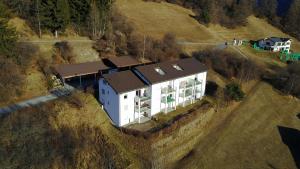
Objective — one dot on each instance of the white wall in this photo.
(157, 106)
(156, 97)
(127, 108)
(110, 101)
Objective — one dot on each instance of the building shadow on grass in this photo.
(291, 138)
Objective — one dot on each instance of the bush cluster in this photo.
(229, 65)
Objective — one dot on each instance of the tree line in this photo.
(284, 14)
(84, 16)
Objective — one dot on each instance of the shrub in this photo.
(287, 80)
(229, 65)
(11, 79)
(233, 91)
(65, 51)
(211, 88)
(25, 53)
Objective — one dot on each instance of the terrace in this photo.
(168, 90)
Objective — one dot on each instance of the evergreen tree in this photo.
(3, 11)
(8, 37)
(292, 19)
(79, 11)
(267, 8)
(62, 14)
(54, 14)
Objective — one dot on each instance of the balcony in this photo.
(186, 93)
(189, 84)
(167, 99)
(186, 84)
(143, 108)
(198, 91)
(144, 98)
(197, 82)
(168, 90)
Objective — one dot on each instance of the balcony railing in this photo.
(198, 91)
(189, 83)
(168, 90)
(143, 108)
(197, 82)
(187, 93)
(144, 98)
(186, 84)
(167, 100)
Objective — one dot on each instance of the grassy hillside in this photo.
(59, 134)
(155, 19)
(250, 137)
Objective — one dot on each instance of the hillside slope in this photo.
(156, 19)
(258, 134)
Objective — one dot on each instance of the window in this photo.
(126, 107)
(160, 71)
(105, 82)
(107, 91)
(125, 96)
(108, 103)
(138, 93)
(103, 91)
(177, 67)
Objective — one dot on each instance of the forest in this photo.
(88, 17)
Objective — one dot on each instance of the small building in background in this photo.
(275, 44)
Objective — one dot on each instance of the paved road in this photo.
(55, 94)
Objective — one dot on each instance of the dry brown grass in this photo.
(249, 138)
(59, 135)
(157, 19)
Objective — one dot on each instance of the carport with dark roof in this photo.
(68, 71)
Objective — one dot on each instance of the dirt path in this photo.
(38, 100)
(51, 41)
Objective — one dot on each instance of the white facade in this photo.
(133, 106)
(275, 46)
(167, 96)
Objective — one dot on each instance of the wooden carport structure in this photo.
(67, 71)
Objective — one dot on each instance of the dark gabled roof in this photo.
(73, 70)
(123, 61)
(124, 81)
(189, 66)
(276, 39)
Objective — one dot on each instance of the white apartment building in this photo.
(275, 44)
(138, 94)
